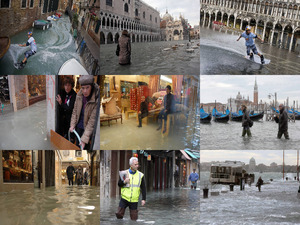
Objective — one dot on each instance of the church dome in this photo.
(167, 16)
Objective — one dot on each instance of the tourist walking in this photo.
(124, 49)
(246, 122)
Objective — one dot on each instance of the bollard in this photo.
(231, 187)
(205, 192)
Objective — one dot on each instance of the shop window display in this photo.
(17, 166)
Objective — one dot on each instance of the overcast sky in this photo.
(222, 87)
(261, 156)
(190, 9)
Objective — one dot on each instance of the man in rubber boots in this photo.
(282, 123)
(131, 188)
(33, 48)
(169, 104)
(193, 178)
(250, 44)
(245, 122)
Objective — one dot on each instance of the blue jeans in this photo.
(253, 48)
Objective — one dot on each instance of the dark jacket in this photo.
(142, 186)
(66, 109)
(144, 108)
(260, 182)
(246, 118)
(70, 172)
(169, 103)
(283, 120)
(125, 50)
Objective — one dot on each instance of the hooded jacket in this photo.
(89, 113)
(125, 50)
(245, 119)
(283, 120)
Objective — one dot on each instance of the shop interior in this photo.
(120, 105)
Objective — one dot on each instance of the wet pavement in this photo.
(25, 129)
(228, 136)
(171, 206)
(51, 206)
(54, 46)
(149, 58)
(127, 136)
(222, 54)
(277, 203)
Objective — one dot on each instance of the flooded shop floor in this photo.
(51, 206)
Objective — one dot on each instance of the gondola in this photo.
(220, 117)
(256, 116)
(237, 116)
(296, 113)
(204, 116)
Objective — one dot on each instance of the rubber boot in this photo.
(134, 214)
(262, 59)
(160, 124)
(120, 213)
(251, 56)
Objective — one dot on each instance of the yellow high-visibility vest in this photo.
(132, 193)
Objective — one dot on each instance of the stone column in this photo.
(234, 22)
(241, 25)
(255, 28)
(264, 32)
(291, 43)
(281, 38)
(209, 20)
(204, 20)
(227, 22)
(272, 35)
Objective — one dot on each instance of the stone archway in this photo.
(102, 38)
(110, 38)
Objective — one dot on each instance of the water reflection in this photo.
(26, 127)
(222, 54)
(184, 134)
(180, 206)
(150, 58)
(60, 205)
(55, 46)
(215, 136)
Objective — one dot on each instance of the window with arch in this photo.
(155, 19)
(109, 2)
(150, 17)
(144, 15)
(126, 9)
(136, 12)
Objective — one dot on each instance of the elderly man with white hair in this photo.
(131, 187)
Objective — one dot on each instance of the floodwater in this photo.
(277, 203)
(127, 136)
(228, 136)
(51, 206)
(222, 54)
(54, 46)
(171, 206)
(149, 58)
(25, 129)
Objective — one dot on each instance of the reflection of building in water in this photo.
(174, 29)
(140, 19)
(28, 169)
(278, 22)
(252, 165)
(162, 169)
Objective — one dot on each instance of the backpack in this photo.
(250, 123)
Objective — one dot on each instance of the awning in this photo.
(191, 154)
(185, 155)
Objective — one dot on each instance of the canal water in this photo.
(54, 46)
(184, 134)
(277, 203)
(228, 136)
(51, 206)
(171, 206)
(25, 129)
(222, 54)
(149, 58)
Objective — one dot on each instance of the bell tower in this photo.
(255, 98)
